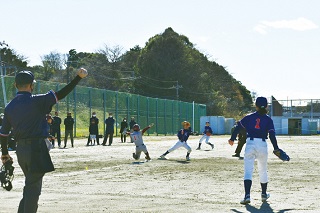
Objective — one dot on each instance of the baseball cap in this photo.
(185, 123)
(24, 77)
(261, 102)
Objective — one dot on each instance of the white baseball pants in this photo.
(204, 137)
(180, 144)
(256, 149)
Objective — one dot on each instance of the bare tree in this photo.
(113, 54)
(52, 64)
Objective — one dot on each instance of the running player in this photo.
(258, 125)
(183, 136)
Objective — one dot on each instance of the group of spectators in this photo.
(108, 137)
(54, 129)
(54, 123)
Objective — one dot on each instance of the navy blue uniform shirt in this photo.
(185, 135)
(26, 114)
(207, 129)
(257, 125)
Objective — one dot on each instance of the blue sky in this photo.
(271, 46)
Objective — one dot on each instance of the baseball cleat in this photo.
(188, 158)
(135, 156)
(162, 157)
(212, 146)
(198, 148)
(264, 197)
(245, 201)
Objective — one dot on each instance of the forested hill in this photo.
(168, 66)
(171, 60)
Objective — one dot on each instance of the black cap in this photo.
(261, 102)
(24, 77)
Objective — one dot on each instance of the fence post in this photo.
(172, 117)
(104, 111)
(57, 104)
(148, 113)
(75, 111)
(116, 107)
(157, 116)
(127, 105)
(90, 103)
(138, 107)
(165, 117)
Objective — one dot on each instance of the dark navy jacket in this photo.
(31, 108)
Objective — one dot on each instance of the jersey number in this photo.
(258, 123)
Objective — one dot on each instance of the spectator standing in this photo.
(109, 130)
(93, 128)
(68, 123)
(56, 130)
(123, 130)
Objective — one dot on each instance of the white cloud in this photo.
(260, 29)
(300, 24)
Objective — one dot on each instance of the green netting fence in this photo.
(167, 115)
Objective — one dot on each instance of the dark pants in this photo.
(68, 132)
(110, 135)
(33, 181)
(239, 146)
(123, 138)
(58, 133)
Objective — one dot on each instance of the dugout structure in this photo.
(167, 115)
(296, 116)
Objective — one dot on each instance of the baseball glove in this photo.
(208, 133)
(281, 155)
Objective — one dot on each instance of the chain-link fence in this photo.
(167, 115)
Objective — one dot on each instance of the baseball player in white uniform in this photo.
(136, 137)
(258, 126)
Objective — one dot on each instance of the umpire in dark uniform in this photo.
(55, 127)
(109, 130)
(94, 128)
(26, 114)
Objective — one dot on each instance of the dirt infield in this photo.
(107, 179)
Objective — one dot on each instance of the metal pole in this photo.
(193, 115)
(172, 118)
(148, 112)
(311, 110)
(104, 110)
(157, 116)
(116, 106)
(165, 117)
(75, 111)
(3, 86)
